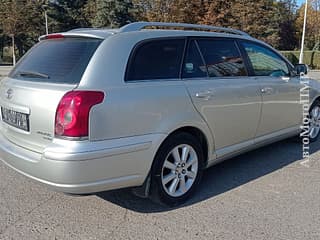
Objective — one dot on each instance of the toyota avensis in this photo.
(149, 105)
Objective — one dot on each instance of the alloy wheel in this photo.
(314, 122)
(179, 170)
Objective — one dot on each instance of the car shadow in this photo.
(222, 177)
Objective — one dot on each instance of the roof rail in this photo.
(137, 26)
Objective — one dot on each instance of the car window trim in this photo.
(134, 52)
(184, 53)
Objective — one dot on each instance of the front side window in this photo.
(264, 61)
(156, 59)
(222, 57)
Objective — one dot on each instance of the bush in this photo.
(311, 58)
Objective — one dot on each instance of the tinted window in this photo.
(194, 65)
(222, 57)
(158, 59)
(57, 61)
(264, 61)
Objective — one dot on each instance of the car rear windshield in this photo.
(56, 60)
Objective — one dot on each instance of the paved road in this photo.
(4, 70)
(315, 74)
(269, 193)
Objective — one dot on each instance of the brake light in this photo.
(54, 36)
(72, 115)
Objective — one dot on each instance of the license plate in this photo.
(15, 119)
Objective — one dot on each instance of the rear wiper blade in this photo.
(32, 74)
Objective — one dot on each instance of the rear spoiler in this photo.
(68, 35)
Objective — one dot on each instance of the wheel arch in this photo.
(317, 98)
(144, 190)
(198, 134)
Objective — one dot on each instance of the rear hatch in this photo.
(30, 95)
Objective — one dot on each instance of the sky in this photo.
(300, 2)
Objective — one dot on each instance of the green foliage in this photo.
(287, 28)
(311, 58)
(21, 20)
(294, 59)
(312, 37)
(113, 13)
(277, 22)
(259, 18)
(171, 10)
(66, 15)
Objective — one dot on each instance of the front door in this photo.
(281, 107)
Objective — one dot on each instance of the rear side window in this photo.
(156, 59)
(57, 60)
(222, 57)
(194, 66)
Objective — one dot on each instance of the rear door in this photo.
(230, 101)
(280, 92)
(30, 95)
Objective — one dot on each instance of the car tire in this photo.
(314, 117)
(177, 169)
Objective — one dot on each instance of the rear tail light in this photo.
(72, 115)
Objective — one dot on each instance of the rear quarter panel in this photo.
(135, 108)
(143, 108)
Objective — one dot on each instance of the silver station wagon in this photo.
(149, 105)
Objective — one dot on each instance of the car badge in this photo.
(9, 93)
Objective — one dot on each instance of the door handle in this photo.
(267, 90)
(286, 79)
(206, 95)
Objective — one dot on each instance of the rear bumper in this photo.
(85, 167)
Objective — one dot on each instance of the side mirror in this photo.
(301, 68)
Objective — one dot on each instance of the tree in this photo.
(256, 17)
(259, 18)
(90, 10)
(182, 11)
(219, 13)
(315, 21)
(187, 11)
(287, 28)
(113, 13)
(11, 21)
(66, 15)
(313, 24)
(22, 28)
(141, 9)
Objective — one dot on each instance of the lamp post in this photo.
(303, 32)
(13, 52)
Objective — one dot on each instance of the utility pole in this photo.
(303, 32)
